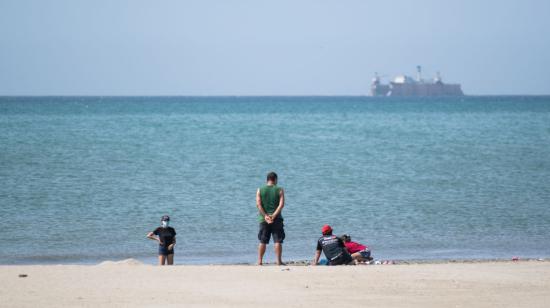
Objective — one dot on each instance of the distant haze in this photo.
(317, 47)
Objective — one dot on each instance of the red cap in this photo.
(326, 229)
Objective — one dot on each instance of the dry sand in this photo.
(131, 284)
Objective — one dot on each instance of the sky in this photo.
(257, 47)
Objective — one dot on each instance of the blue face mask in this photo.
(164, 223)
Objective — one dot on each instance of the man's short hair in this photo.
(272, 177)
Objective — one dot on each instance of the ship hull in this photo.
(425, 90)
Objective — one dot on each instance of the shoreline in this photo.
(152, 261)
(134, 284)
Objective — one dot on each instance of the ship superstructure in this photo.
(403, 85)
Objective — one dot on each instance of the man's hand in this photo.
(171, 246)
(268, 219)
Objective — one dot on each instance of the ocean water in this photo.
(83, 179)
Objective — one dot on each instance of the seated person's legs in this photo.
(345, 259)
(362, 256)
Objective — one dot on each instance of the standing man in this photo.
(270, 200)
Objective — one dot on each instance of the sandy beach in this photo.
(131, 284)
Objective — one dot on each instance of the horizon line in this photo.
(256, 95)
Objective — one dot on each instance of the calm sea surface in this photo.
(83, 179)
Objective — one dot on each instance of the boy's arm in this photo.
(171, 246)
(152, 236)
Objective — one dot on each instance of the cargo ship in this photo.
(407, 86)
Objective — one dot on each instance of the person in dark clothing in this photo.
(333, 247)
(166, 236)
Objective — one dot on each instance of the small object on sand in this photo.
(286, 269)
(22, 275)
(515, 258)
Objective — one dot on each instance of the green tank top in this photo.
(270, 200)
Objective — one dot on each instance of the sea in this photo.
(84, 179)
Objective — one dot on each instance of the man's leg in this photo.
(261, 252)
(264, 235)
(279, 253)
(278, 238)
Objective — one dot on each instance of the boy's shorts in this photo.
(365, 253)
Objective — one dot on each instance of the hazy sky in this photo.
(260, 47)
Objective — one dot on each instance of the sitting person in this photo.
(333, 247)
(360, 253)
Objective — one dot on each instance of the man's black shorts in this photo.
(276, 228)
(343, 259)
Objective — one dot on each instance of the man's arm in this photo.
(261, 208)
(317, 256)
(281, 204)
